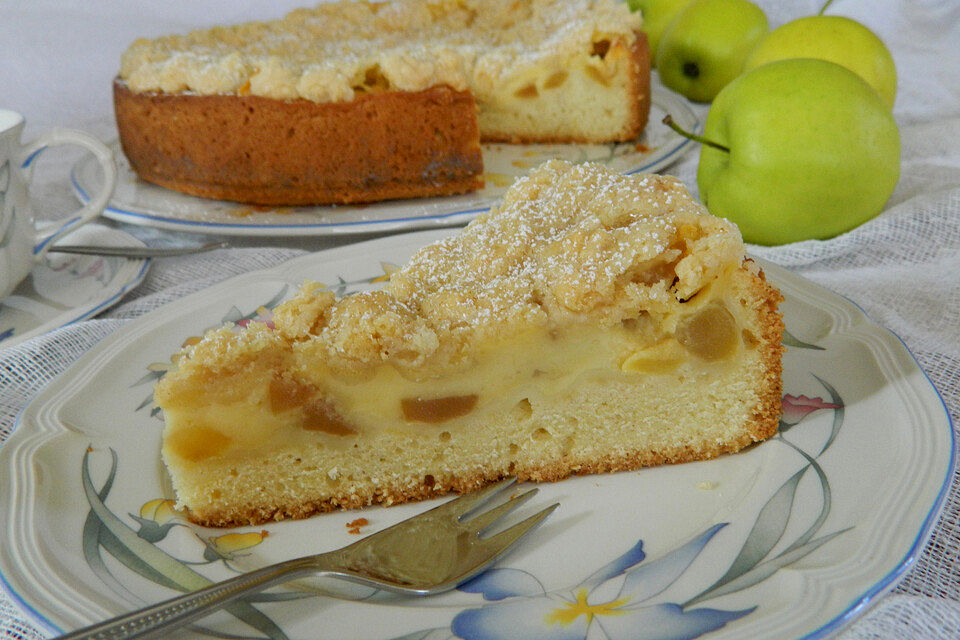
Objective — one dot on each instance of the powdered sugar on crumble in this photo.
(570, 243)
(328, 53)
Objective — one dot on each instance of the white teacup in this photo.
(21, 244)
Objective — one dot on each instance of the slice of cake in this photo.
(356, 101)
(594, 322)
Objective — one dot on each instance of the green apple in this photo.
(811, 151)
(706, 44)
(657, 16)
(833, 38)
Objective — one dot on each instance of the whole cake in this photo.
(594, 322)
(357, 102)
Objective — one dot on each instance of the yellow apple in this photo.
(841, 40)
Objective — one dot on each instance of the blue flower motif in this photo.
(497, 584)
(614, 602)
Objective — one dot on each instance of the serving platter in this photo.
(138, 202)
(792, 538)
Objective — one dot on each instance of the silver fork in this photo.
(423, 555)
(137, 252)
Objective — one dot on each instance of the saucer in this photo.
(63, 289)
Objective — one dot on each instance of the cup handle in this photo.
(95, 205)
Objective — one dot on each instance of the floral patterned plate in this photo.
(789, 539)
(63, 289)
(138, 202)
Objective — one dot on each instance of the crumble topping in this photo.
(331, 52)
(570, 243)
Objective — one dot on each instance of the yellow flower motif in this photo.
(192, 340)
(225, 547)
(162, 367)
(159, 510)
(156, 519)
(498, 179)
(388, 269)
(581, 607)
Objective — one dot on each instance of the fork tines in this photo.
(467, 509)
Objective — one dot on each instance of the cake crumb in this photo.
(708, 485)
(354, 525)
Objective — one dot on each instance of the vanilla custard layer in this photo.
(295, 401)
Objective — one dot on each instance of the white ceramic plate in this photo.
(138, 202)
(63, 288)
(789, 539)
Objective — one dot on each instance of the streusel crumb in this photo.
(570, 243)
(328, 53)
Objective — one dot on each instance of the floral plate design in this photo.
(137, 202)
(63, 289)
(788, 539)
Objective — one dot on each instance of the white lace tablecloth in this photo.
(903, 268)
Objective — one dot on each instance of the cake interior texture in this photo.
(593, 322)
(280, 112)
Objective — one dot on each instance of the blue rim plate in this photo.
(137, 202)
(793, 538)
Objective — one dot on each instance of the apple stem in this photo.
(824, 7)
(668, 120)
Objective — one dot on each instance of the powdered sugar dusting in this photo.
(325, 54)
(570, 243)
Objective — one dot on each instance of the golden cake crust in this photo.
(296, 152)
(766, 416)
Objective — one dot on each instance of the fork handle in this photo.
(181, 610)
(136, 252)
